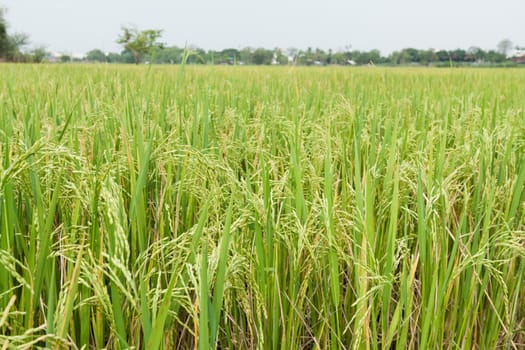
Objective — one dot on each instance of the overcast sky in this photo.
(76, 26)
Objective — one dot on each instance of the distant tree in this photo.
(246, 55)
(4, 39)
(458, 55)
(361, 57)
(375, 57)
(96, 55)
(411, 54)
(309, 56)
(405, 56)
(16, 42)
(126, 56)
(329, 57)
(496, 57)
(475, 53)
(226, 56)
(394, 57)
(10, 45)
(214, 57)
(113, 57)
(427, 56)
(174, 54)
(230, 56)
(320, 56)
(338, 58)
(504, 47)
(280, 57)
(262, 56)
(65, 58)
(167, 55)
(443, 55)
(195, 55)
(139, 43)
(38, 54)
(300, 58)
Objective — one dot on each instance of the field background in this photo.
(261, 208)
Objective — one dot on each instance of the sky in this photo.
(77, 26)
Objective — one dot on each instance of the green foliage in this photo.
(11, 44)
(226, 56)
(167, 55)
(292, 56)
(442, 56)
(262, 56)
(96, 55)
(4, 39)
(261, 207)
(38, 54)
(139, 43)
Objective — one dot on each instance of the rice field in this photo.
(261, 208)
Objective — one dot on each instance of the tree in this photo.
(226, 56)
(246, 55)
(375, 57)
(10, 45)
(38, 54)
(194, 55)
(504, 47)
(458, 55)
(114, 57)
(476, 54)
(262, 56)
(309, 56)
(230, 56)
(4, 39)
(410, 55)
(338, 58)
(495, 57)
(394, 58)
(127, 57)
(167, 55)
(139, 43)
(427, 56)
(443, 56)
(15, 43)
(361, 57)
(65, 58)
(96, 55)
(280, 58)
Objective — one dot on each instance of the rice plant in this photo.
(261, 208)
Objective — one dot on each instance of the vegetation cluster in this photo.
(309, 57)
(261, 207)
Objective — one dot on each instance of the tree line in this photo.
(144, 47)
(308, 57)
